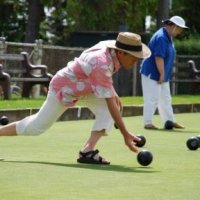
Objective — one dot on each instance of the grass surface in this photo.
(17, 103)
(45, 167)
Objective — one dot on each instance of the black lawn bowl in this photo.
(193, 143)
(4, 120)
(198, 137)
(169, 125)
(144, 157)
(142, 142)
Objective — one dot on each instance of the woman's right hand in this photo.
(161, 79)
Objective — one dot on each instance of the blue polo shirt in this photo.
(161, 45)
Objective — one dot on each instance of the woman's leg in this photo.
(165, 103)
(150, 89)
(165, 106)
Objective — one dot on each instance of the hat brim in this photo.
(168, 20)
(145, 53)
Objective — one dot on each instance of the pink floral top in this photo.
(90, 73)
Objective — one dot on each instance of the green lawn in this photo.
(44, 167)
(16, 103)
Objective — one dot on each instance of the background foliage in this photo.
(58, 19)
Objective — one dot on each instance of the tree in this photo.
(108, 15)
(163, 11)
(35, 16)
(56, 27)
(12, 19)
(27, 20)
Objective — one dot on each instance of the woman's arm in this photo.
(160, 67)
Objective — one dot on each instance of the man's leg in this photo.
(95, 136)
(37, 123)
(102, 125)
(8, 130)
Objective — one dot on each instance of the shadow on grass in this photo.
(173, 131)
(178, 131)
(117, 168)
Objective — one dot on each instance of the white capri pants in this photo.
(156, 95)
(52, 109)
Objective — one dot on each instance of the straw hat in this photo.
(131, 44)
(178, 21)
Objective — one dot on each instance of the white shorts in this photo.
(103, 118)
(52, 109)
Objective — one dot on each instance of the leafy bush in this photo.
(188, 46)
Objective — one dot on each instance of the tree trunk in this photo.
(35, 15)
(163, 11)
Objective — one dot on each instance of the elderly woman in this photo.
(156, 71)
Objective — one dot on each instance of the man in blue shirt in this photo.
(156, 71)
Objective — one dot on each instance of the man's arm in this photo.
(129, 138)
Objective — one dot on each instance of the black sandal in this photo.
(88, 158)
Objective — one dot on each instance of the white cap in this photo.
(179, 21)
